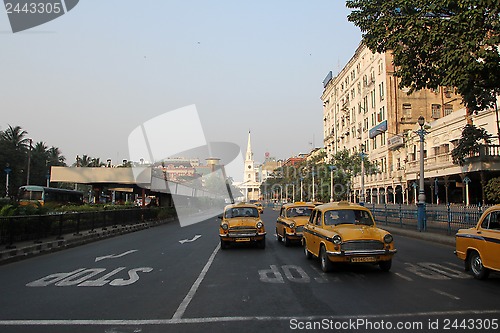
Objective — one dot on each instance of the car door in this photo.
(279, 222)
(316, 231)
(490, 248)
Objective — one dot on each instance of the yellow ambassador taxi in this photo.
(241, 223)
(479, 246)
(346, 232)
(291, 221)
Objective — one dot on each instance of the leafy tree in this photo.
(88, 162)
(13, 154)
(471, 141)
(492, 190)
(437, 43)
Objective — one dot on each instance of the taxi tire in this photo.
(224, 245)
(306, 251)
(286, 240)
(278, 237)
(326, 264)
(262, 243)
(385, 265)
(476, 266)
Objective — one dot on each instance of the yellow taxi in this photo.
(479, 246)
(291, 221)
(241, 223)
(346, 232)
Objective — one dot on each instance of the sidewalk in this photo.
(27, 249)
(423, 235)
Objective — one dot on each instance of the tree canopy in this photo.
(451, 43)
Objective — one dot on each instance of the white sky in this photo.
(84, 81)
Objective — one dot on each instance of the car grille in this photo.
(299, 229)
(362, 245)
(242, 231)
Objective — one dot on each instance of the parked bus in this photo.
(31, 194)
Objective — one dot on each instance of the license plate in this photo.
(363, 259)
(242, 239)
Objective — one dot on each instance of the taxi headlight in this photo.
(224, 226)
(388, 238)
(337, 239)
(292, 225)
(259, 225)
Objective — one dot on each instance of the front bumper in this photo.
(231, 237)
(361, 256)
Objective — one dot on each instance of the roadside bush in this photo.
(492, 190)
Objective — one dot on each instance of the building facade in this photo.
(364, 110)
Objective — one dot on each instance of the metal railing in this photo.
(440, 218)
(36, 227)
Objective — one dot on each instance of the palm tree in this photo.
(16, 136)
(13, 152)
(55, 158)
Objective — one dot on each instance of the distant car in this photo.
(479, 247)
(344, 232)
(241, 223)
(291, 221)
(260, 207)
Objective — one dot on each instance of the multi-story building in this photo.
(365, 110)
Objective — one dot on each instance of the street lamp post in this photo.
(467, 181)
(362, 194)
(313, 185)
(7, 172)
(421, 190)
(301, 192)
(29, 163)
(332, 169)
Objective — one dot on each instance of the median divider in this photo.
(24, 250)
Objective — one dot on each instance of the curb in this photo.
(447, 240)
(25, 252)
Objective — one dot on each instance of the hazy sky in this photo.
(84, 81)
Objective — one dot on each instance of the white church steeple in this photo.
(249, 174)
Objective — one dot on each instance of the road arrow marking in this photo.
(189, 240)
(113, 256)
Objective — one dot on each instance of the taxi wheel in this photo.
(306, 251)
(224, 245)
(286, 240)
(326, 264)
(476, 266)
(278, 237)
(385, 265)
(262, 243)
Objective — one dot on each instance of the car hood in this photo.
(299, 220)
(242, 221)
(358, 232)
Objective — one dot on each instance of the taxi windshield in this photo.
(242, 212)
(298, 211)
(346, 216)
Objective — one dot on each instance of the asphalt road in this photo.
(173, 279)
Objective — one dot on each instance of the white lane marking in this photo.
(455, 265)
(118, 322)
(189, 240)
(404, 277)
(440, 292)
(183, 306)
(114, 256)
